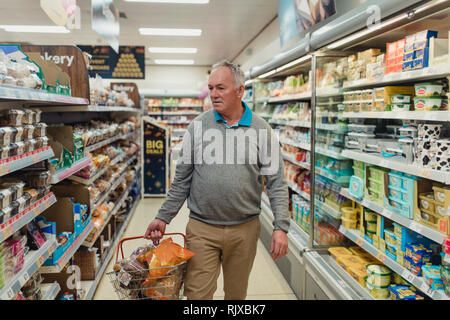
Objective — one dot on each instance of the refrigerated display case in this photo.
(378, 152)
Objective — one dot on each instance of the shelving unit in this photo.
(418, 282)
(33, 261)
(14, 224)
(89, 108)
(68, 172)
(27, 159)
(65, 258)
(435, 175)
(91, 286)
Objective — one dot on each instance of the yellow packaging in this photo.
(358, 272)
(390, 90)
(349, 224)
(349, 213)
(356, 250)
(337, 252)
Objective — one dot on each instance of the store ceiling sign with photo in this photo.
(105, 21)
(128, 64)
(296, 16)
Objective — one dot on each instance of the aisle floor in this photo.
(266, 281)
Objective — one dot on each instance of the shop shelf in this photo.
(14, 224)
(27, 159)
(336, 128)
(91, 286)
(33, 261)
(330, 153)
(291, 159)
(89, 181)
(65, 173)
(89, 108)
(432, 72)
(297, 190)
(110, 140)
(106, 193)
(175, 106)
(50, 290)
(117, 206)
(435, 175)
(38, 96)
(443, 116)
(341, 180)
(175, 113)
(408, 223)
(304, 146)
(292, 123)
(262, 99)
(326, 92)
(291, 97)
(58, 267)
(418, 282)
(348, 279)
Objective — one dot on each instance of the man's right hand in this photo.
(155, 230)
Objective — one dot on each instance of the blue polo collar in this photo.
(246, 119)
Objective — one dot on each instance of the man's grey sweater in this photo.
(223, 187)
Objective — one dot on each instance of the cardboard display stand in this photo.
(63, 63)
(130, 88)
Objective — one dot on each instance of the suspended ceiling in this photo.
(227, 26)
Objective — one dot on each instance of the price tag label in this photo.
(40, 261)
(425, 173)
(417, 227)
(24, 279)
(408, 276)
(8, 295)
(387, 213)
(380, 256)
(360, 242)
(8, 232)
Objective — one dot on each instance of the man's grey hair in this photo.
(236, 71)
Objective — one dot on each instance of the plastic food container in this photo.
(349, 223)
(40, 142)
(408, 132)
(4, 152)
(378, 275)
(428, 89)
(432, 276)
(37, 179)
(445, 272)
(398, 279)
(376, 173)
(6, 135)
(371, 226)
(31, 144)
(11, 117)
(429, 131)
(19, 148)
(349, 213)
(427, 201)
(404, 292)
(40, 130)
(378, 292)
(401, 106)
(395, 180)
(370, 216)
(367, 128)
(389, 237)
(400, 98)
(17, 135)
(28, 132)
(427, 103)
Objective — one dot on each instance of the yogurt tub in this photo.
(444, 103)
(371, 226)
(370, 216)
(428, 89)
(378, 292)
(401, 106)
(349, 213)
(427, 103)
(400, 98)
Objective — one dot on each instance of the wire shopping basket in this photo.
(137, 283)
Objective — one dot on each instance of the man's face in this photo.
(224, 96)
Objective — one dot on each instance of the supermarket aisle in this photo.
(266, 281)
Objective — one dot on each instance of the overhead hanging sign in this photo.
(297, 16)
(156, 156)
(105, 21)
(128, 64)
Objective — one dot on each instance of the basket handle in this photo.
(120, 248)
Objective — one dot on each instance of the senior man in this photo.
(223, 182)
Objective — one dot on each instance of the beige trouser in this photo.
(232, 246)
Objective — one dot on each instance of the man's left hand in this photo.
(278, 244)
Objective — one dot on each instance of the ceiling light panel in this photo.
(170, 32)
(174, 61)
(172, 50)
(172, 1)
(34, 29)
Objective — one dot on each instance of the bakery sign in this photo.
(129, 63)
